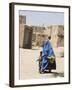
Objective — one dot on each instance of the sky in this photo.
(44, 18)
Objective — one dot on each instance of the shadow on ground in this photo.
(55, 74)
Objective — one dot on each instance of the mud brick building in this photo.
(32, 36)
(22, 22)
(55, 31)
(57, 35)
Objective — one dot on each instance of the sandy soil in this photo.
(29, 65)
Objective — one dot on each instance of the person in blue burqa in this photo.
(47, 51)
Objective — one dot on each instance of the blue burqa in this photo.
(47, 51)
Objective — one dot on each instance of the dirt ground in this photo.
(29, 65)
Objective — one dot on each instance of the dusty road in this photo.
(29, 66)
